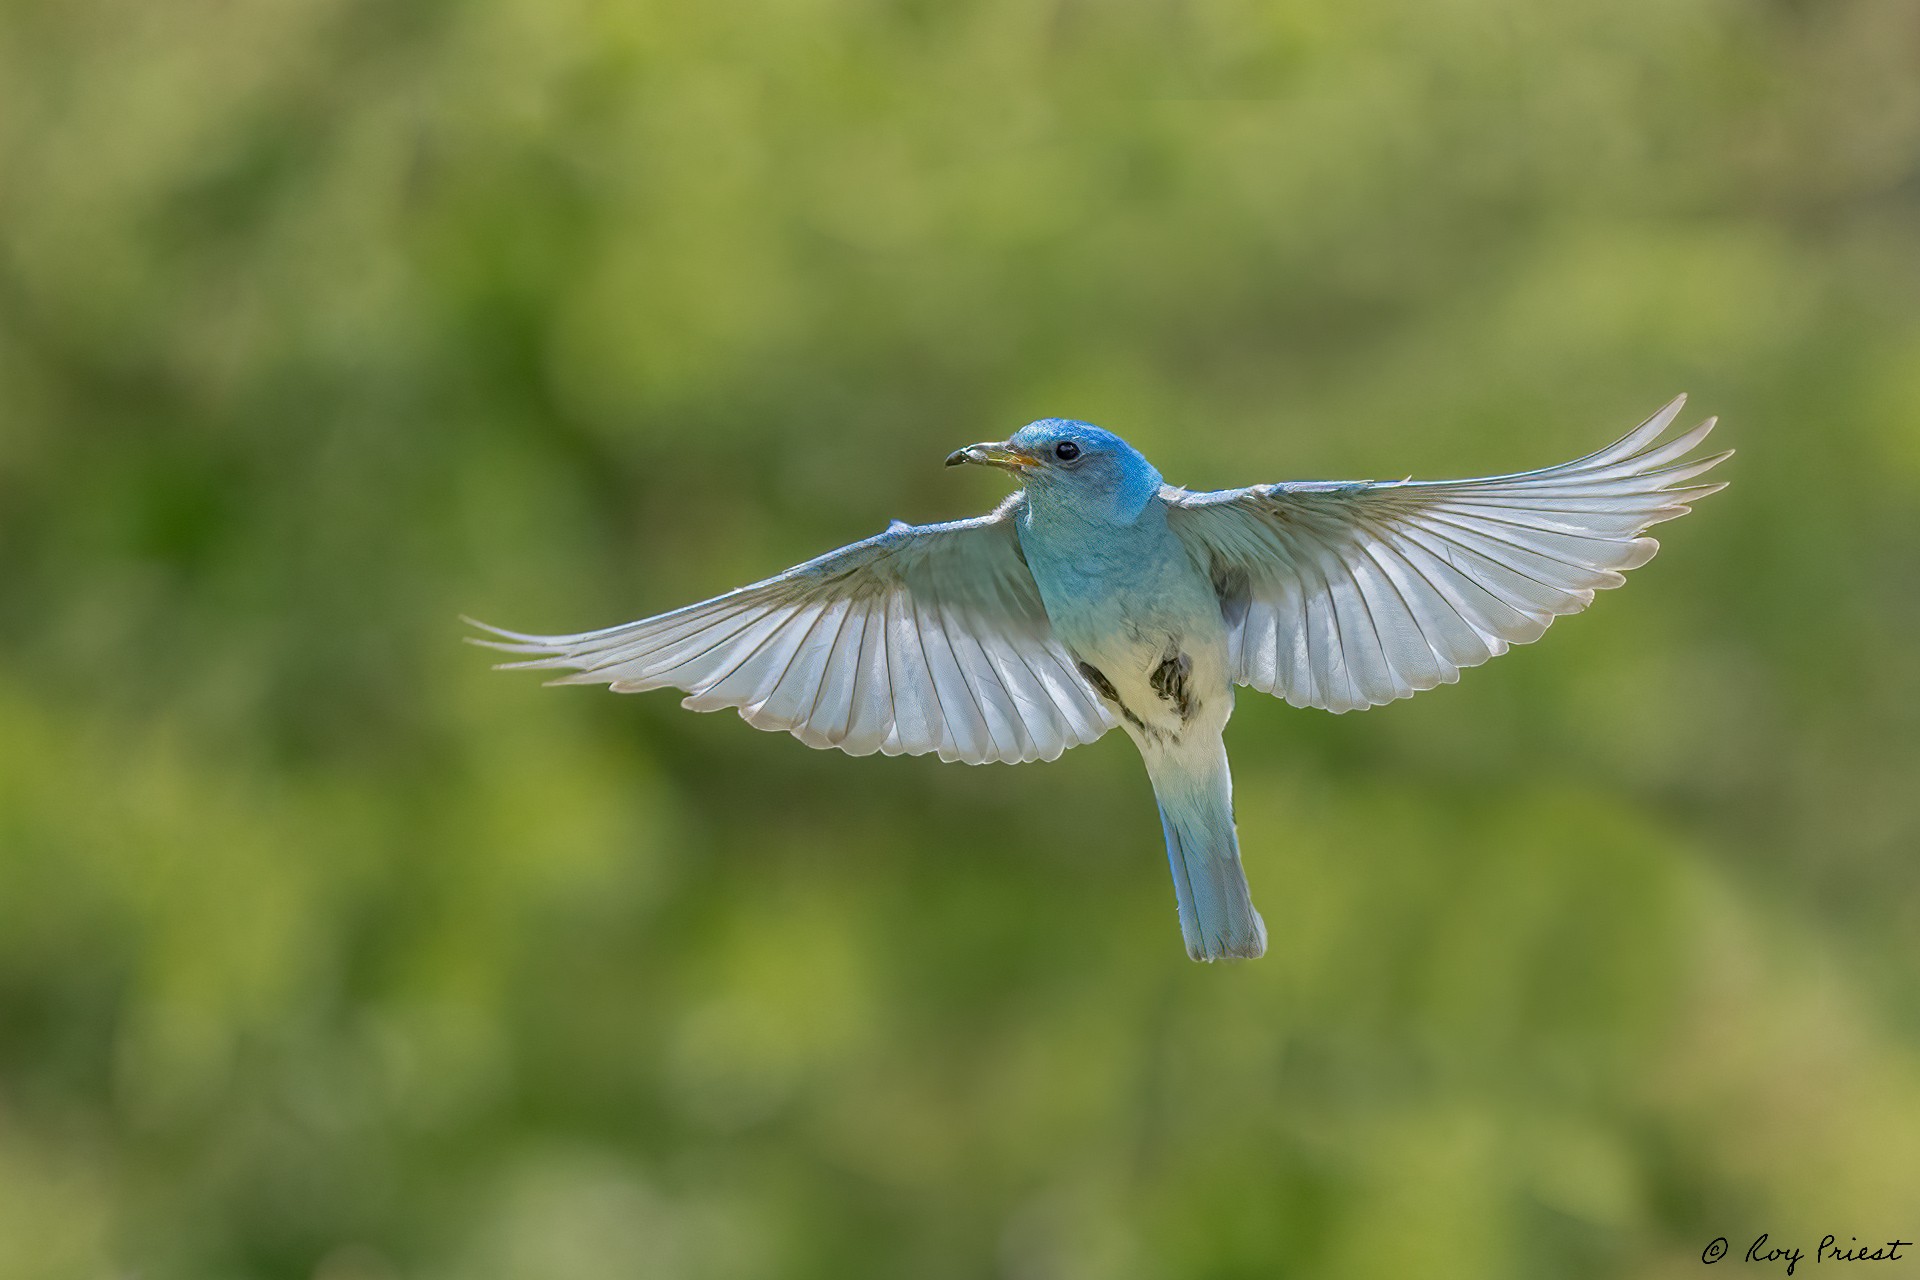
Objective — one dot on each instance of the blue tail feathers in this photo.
(1217, 917)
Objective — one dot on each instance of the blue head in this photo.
(1072, 466)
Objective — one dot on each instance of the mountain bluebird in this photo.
(1098, 595)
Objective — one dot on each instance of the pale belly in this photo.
(1155, 650)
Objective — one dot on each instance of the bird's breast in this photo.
(1145, 629)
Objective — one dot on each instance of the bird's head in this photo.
(1071, 465)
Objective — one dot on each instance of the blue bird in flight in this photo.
(1098, 595)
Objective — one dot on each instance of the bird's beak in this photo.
(994, 454)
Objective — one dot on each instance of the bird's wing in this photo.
(923, 638)
(1350, 594)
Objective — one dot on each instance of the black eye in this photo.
(1066, 451)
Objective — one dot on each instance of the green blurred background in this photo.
(325, 952)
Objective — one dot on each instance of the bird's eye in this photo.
(1066, 451)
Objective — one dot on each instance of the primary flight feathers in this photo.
(1348, 595)
(923, 638)
(1340, 595)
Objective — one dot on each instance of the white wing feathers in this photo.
(1348, 595)
(923, 638)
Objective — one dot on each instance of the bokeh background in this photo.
(326, 952)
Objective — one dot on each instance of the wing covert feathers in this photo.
(922, 639)
(1354, 593)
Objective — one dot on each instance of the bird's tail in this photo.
(1196, 810)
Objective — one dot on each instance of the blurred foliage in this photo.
(326, 953)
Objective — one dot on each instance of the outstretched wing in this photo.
(1347, 595)
(923, 638)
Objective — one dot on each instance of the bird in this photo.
(1099, 596)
